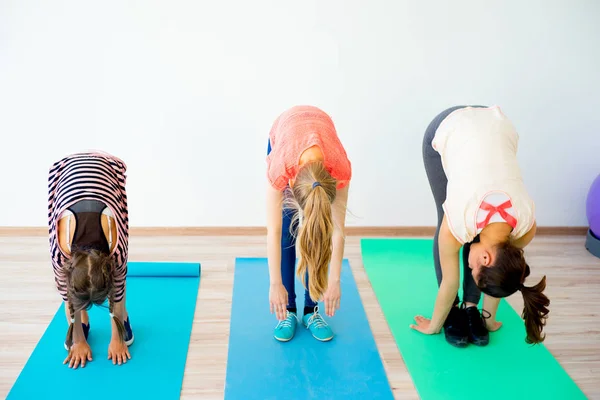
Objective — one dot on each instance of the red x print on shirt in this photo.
(501, 209)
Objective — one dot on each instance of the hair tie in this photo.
(315, 184)
(111, 315)
(521, 287)
(72, 320)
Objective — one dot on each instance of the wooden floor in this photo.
(28, 300)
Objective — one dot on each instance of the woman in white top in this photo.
(470, 156)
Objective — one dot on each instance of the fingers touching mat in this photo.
(259, 367)
(161, 299)
(402, 275)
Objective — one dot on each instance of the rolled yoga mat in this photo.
(402, 275)
(260, 367)
(161, 299)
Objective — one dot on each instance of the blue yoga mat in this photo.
(161, 299)
(259, 367)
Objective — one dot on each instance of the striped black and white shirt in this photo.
(89, 176)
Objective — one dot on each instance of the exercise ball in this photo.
(592, 207)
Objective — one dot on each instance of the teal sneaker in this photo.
(317, 326)
(285, 330)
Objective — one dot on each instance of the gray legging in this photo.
(438, 182)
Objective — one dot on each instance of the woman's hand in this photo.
(278, 298)
(79, 354)
(492, 326)
(331, 298)
(490, 305)
(118, 351)
(423, 325)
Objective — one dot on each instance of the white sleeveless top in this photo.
(478, 147)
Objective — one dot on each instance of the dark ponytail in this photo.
(535, 310)
(505, 277)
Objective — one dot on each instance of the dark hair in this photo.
(505, 277)
(89, 276)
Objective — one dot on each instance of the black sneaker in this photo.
(456, 328)
(128, 333)
(478, 333)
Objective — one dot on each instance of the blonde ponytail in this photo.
(314, 242)
(312, 196)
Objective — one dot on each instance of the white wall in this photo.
(186, 91)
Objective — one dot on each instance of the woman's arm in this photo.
(449, 249)
(274, 210)
(490, 304)
(121, 313)
(333, 294)
(339, 234)
(118, 351)
(278, 296)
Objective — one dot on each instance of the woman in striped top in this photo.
(88, 229)
(470, 156)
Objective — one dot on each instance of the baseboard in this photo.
(562, 230)
(380, 231)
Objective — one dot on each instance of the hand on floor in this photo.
(331, 298)
(423, 325)
(118, 352)
(79, 354)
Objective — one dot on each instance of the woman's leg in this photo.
(455, 325)
(471, 293)
(309, 304)
(288, 254)
(288, 259)
(438, 183)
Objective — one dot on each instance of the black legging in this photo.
(438, 182)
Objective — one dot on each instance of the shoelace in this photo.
(316, 319)
(483, 312)
(483, 316)
(286, 323)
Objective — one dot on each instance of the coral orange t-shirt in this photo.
(295, 131)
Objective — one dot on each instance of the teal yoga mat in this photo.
(403, 278)
(161, 299)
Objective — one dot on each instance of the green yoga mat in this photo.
(403, 278)
(161, 299)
